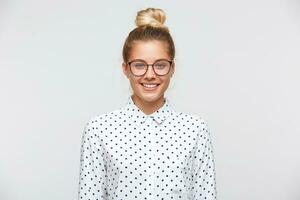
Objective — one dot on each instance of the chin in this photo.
(150, 97)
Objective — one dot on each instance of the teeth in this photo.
(149, 86)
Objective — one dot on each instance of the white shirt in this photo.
(127, 155)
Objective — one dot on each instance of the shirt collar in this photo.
(140, 117)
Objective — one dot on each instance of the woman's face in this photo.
(149, 51)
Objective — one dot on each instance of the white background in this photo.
(237, 67)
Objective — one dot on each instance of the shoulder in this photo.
(100, 119)
(194, 121)
(97, 124)
(190, 117)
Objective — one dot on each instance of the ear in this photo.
(125, 69)
(173, 69)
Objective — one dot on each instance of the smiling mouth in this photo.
(150, 86)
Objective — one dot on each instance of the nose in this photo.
(150, 73)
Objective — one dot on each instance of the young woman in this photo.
(146, 149)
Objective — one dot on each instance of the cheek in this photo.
(134, 82)
(165, 84)
(166, 81)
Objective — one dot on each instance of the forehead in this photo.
(149, 50)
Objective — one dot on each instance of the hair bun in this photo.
(154, 17)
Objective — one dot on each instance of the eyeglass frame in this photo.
(170, 61)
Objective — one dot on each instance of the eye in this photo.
(138, 64)
(161, 64)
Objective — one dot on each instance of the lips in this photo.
(150, 86)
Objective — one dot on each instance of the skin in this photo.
(150, 51)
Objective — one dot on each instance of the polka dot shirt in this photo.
(127, 155)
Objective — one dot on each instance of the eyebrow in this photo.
(153, 62)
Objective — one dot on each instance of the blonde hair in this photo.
(154, 17)
(150, 26)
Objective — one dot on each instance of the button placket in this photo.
(151, 133)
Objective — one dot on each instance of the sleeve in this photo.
(204, 176)
(92, 175)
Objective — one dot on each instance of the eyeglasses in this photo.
(139, 67)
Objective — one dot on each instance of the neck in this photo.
(148, 107)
